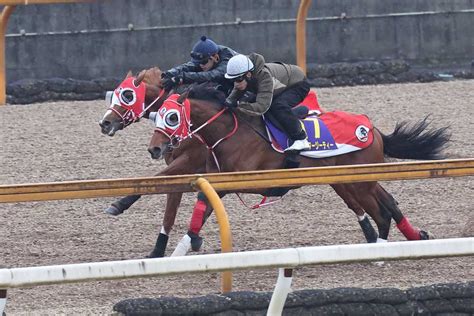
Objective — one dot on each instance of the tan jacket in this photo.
(268, 80)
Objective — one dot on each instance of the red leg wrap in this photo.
(198, 216)
(410, 232)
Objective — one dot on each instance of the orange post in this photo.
(7, 11)
(301, 34)
(224, 226)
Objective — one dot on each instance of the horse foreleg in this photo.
(118, 207)
(344, 191)
(192, 238)
(201, 212)
(172, 203)
(387, 202)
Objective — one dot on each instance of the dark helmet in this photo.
(203, 49)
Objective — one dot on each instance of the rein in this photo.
(202, 140)
(162, 92)
(188, 133)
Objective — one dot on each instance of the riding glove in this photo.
(231, 103)
(166, 74)
(170, 83)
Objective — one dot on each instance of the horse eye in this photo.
(172, 119)
(127, 96)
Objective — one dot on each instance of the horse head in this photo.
(173, 123)
(135, 97)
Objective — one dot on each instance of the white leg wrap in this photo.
(183, 247)
(3, 302)
(381, 240)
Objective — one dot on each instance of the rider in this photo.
(278, 88)
(208, 63)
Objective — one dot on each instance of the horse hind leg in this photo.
(388, 203)
(365, 195)
(344, 192)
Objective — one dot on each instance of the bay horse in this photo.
(190, 157)
(236, 147)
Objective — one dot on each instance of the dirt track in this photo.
(62, 141)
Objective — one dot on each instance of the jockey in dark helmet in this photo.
(278, 88)
(208, 64)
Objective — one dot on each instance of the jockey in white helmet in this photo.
(278, 88)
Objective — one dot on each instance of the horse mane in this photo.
(207, 92)
(152, 76)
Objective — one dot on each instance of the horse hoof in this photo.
(155, 254)
(112, 210)
(424, 235)
(196, 243)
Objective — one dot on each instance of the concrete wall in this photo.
(453, 299)
(91, 40)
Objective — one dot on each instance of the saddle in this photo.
(330, 133)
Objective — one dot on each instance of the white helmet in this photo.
(237, 66)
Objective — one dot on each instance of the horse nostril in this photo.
(155, 152)
(104, 123)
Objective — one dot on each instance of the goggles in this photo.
(199, 58)
(204, 61)
(239, 78)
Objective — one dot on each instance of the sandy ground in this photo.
(62, 141)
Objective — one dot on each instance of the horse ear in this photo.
(183, 97)
(129, 74)
(140, 77)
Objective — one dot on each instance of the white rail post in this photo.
(3, 301)
(282, 288)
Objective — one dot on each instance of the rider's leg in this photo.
(281, 110)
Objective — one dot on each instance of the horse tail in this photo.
(416, 141)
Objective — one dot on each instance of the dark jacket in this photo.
(268, 80)
(194, 74)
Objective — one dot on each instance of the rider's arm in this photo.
(214, 75)
(264, 96)
(235, 95)
(186, 67)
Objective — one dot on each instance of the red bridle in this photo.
(184, 131)
(135, 107)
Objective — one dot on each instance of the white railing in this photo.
(277, 258)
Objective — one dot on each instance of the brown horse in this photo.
(179, 160)
(190, 157)
(224, 133)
